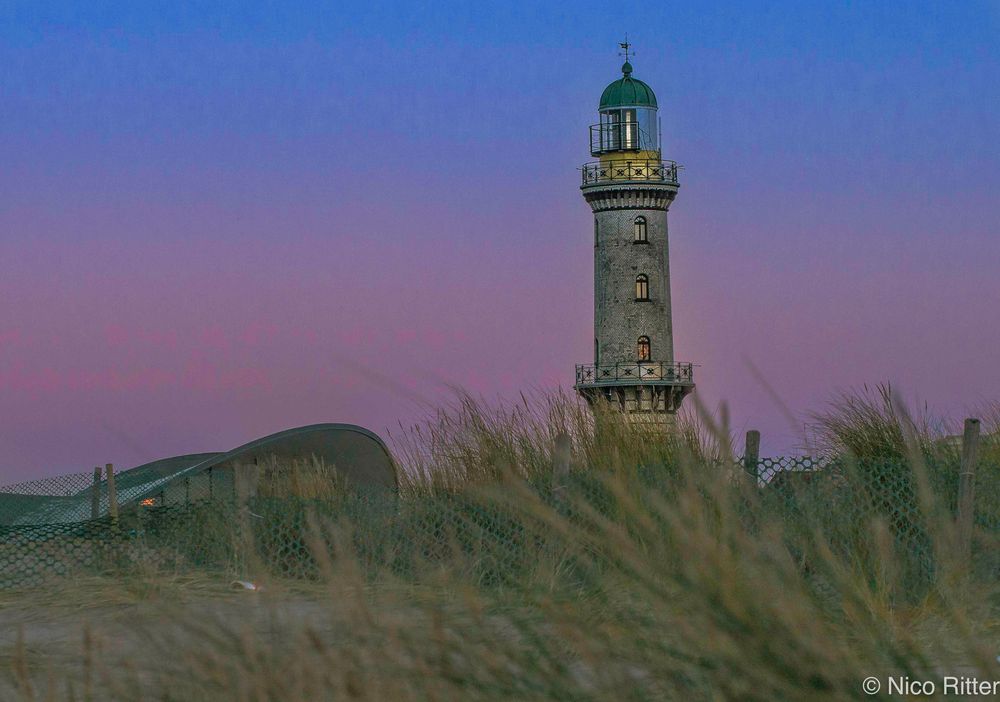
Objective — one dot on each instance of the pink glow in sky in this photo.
(213, 228)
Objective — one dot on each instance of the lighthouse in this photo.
(630, 189)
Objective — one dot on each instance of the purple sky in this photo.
(219, 222)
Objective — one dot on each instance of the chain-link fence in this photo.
(208, 523)
(844, 501)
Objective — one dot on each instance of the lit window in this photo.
(644, 352)
(640, 230)
(642, 287)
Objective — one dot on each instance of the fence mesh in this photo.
(204, 523)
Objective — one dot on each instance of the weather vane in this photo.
(626, 46)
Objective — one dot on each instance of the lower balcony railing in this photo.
(639, 372)
(638, 170)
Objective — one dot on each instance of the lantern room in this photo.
(628, 118)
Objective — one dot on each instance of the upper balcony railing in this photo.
(632, 373)
(630, 170)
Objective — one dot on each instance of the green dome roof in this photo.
(627, 92)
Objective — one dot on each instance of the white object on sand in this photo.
(245, 584)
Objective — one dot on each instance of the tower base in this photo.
(651, 406)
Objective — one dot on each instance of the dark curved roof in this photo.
(627, 92)
(357, 453)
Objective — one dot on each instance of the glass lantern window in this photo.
(647, 128)
(627, 129)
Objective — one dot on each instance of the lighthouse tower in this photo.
(630, 189)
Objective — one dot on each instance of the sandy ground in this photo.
(57, 638)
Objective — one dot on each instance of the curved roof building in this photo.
(350, 452)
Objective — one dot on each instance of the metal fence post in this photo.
(751, 454)
(95, 494)
(966, 488)
(112, 494)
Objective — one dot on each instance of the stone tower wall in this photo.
(619, 319)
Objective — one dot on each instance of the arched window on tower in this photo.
(640, 231)
(597, 231)
(642, 287)
(643, 352)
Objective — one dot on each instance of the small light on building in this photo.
(148, 502)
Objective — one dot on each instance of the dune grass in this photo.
(683, 581)
(870, 423)
(471, 441)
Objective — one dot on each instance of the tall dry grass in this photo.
(306, 479)
(470, 441)
(868, 423)
(697, 592)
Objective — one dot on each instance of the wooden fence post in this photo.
(95, 494)
(966, 488)
(112, 494)
(751, 454)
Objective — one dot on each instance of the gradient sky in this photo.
(220, 220)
